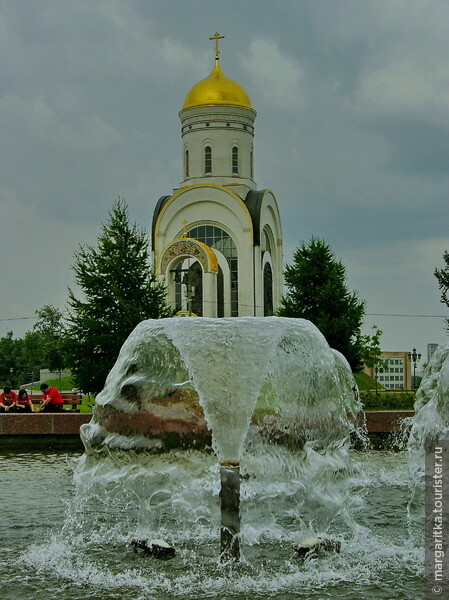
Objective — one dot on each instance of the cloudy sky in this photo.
(352, 135)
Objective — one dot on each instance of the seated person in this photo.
(24, 404)
(8, 400)
(52, 401)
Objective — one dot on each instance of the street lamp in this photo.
(414, 357)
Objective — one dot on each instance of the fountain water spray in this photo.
(430, 425)
(301, 389)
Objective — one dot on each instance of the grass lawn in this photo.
(365, 382)
(66, 384)
(61, 383)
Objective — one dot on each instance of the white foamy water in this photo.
(83, 550)
(299, 478)
(430, 426)
(282, 367)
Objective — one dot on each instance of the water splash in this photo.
(431, 423)
(281, 369)
(132, 494)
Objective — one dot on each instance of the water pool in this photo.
(57, 541)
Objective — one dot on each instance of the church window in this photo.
(251, 164)
(267, 290)
(187, 164)
(235, 159)
(207, 159)
(220, 293)
(266, 244)
(217, 238)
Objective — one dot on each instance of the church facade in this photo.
(217, 240)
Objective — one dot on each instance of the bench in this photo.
(69, 398)
(72, 399)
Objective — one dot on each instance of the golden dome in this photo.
(217, 90)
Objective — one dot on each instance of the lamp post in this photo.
(414, 357)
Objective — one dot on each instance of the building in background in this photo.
(217, 240)
(394, 372)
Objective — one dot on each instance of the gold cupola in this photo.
(217, 89)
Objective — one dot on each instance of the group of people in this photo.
(51, 401)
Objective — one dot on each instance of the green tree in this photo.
(317, 291)
(372, 353)
(9, 360)
(442, 276)
(31, 358)
(51, 331)
(120, 290)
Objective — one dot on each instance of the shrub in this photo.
(386, 400)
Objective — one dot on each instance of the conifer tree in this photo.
(120, 290)
(317, 291)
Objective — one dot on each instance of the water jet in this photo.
(276, 375)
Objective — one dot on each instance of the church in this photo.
(217, 240)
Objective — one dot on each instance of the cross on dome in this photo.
(217, 37)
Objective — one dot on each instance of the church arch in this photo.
(267, 241)
(192, 203)
(185, 247)
(190, 269)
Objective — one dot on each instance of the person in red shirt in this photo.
(52, 401)
(24, 404)
(8, 400)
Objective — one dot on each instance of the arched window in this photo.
(251, 164)
(267, 290)
(207, 160)
(235, 159)
(187, 164)
(266, 244)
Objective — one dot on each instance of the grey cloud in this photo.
(417, 148)
(349, 136)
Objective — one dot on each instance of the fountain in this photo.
(304, 390)
(431, 405)
(229, 439)
(430, 429)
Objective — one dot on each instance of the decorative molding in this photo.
(189, 247)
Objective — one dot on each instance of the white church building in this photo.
(217, 240)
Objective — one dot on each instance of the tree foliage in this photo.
(442, 276)
(372, 353)
(50, 328)
(120, 290)
(20, 359)
(317, 291)
(9, 358)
